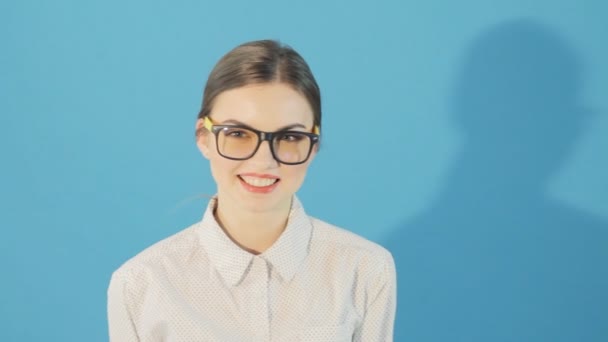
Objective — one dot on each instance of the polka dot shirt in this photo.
(317, 282)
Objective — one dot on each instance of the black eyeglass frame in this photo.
(264, 136)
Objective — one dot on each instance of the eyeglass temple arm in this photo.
(207, 123)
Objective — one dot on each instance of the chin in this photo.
(256, 202)
(265, 202)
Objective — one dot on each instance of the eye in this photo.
(236, 133)
(291, 137)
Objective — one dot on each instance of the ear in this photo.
(313, 153)
(202, 138)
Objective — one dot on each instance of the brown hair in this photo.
(262, 61)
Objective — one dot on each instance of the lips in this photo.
(259, 183)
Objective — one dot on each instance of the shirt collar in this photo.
(285, 255)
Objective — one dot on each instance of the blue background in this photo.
(469, 137)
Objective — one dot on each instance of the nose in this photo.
(263, 156)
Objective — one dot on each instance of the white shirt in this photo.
(316, 283)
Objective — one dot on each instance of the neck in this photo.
(254, 231)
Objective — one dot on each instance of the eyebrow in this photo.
(284, 128)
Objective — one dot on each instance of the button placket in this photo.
(261, 299)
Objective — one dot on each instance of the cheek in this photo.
(222, 169)
(295, 174)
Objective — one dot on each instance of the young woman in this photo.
(257, 267)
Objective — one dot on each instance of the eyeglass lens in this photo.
(241, 143)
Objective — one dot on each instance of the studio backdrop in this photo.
(470, 138)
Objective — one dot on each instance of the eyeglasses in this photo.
(240, 142)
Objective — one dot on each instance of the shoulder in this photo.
(347, 258)
(339, 241)
(167, 251)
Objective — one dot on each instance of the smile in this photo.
(259, 184)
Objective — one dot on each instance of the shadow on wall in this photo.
(495, 258)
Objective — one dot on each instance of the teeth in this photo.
(259, 182)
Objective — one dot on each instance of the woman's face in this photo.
(267, 107)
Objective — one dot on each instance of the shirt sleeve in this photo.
(379, 318)
(120, 322)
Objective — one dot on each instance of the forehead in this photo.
(265, 106)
